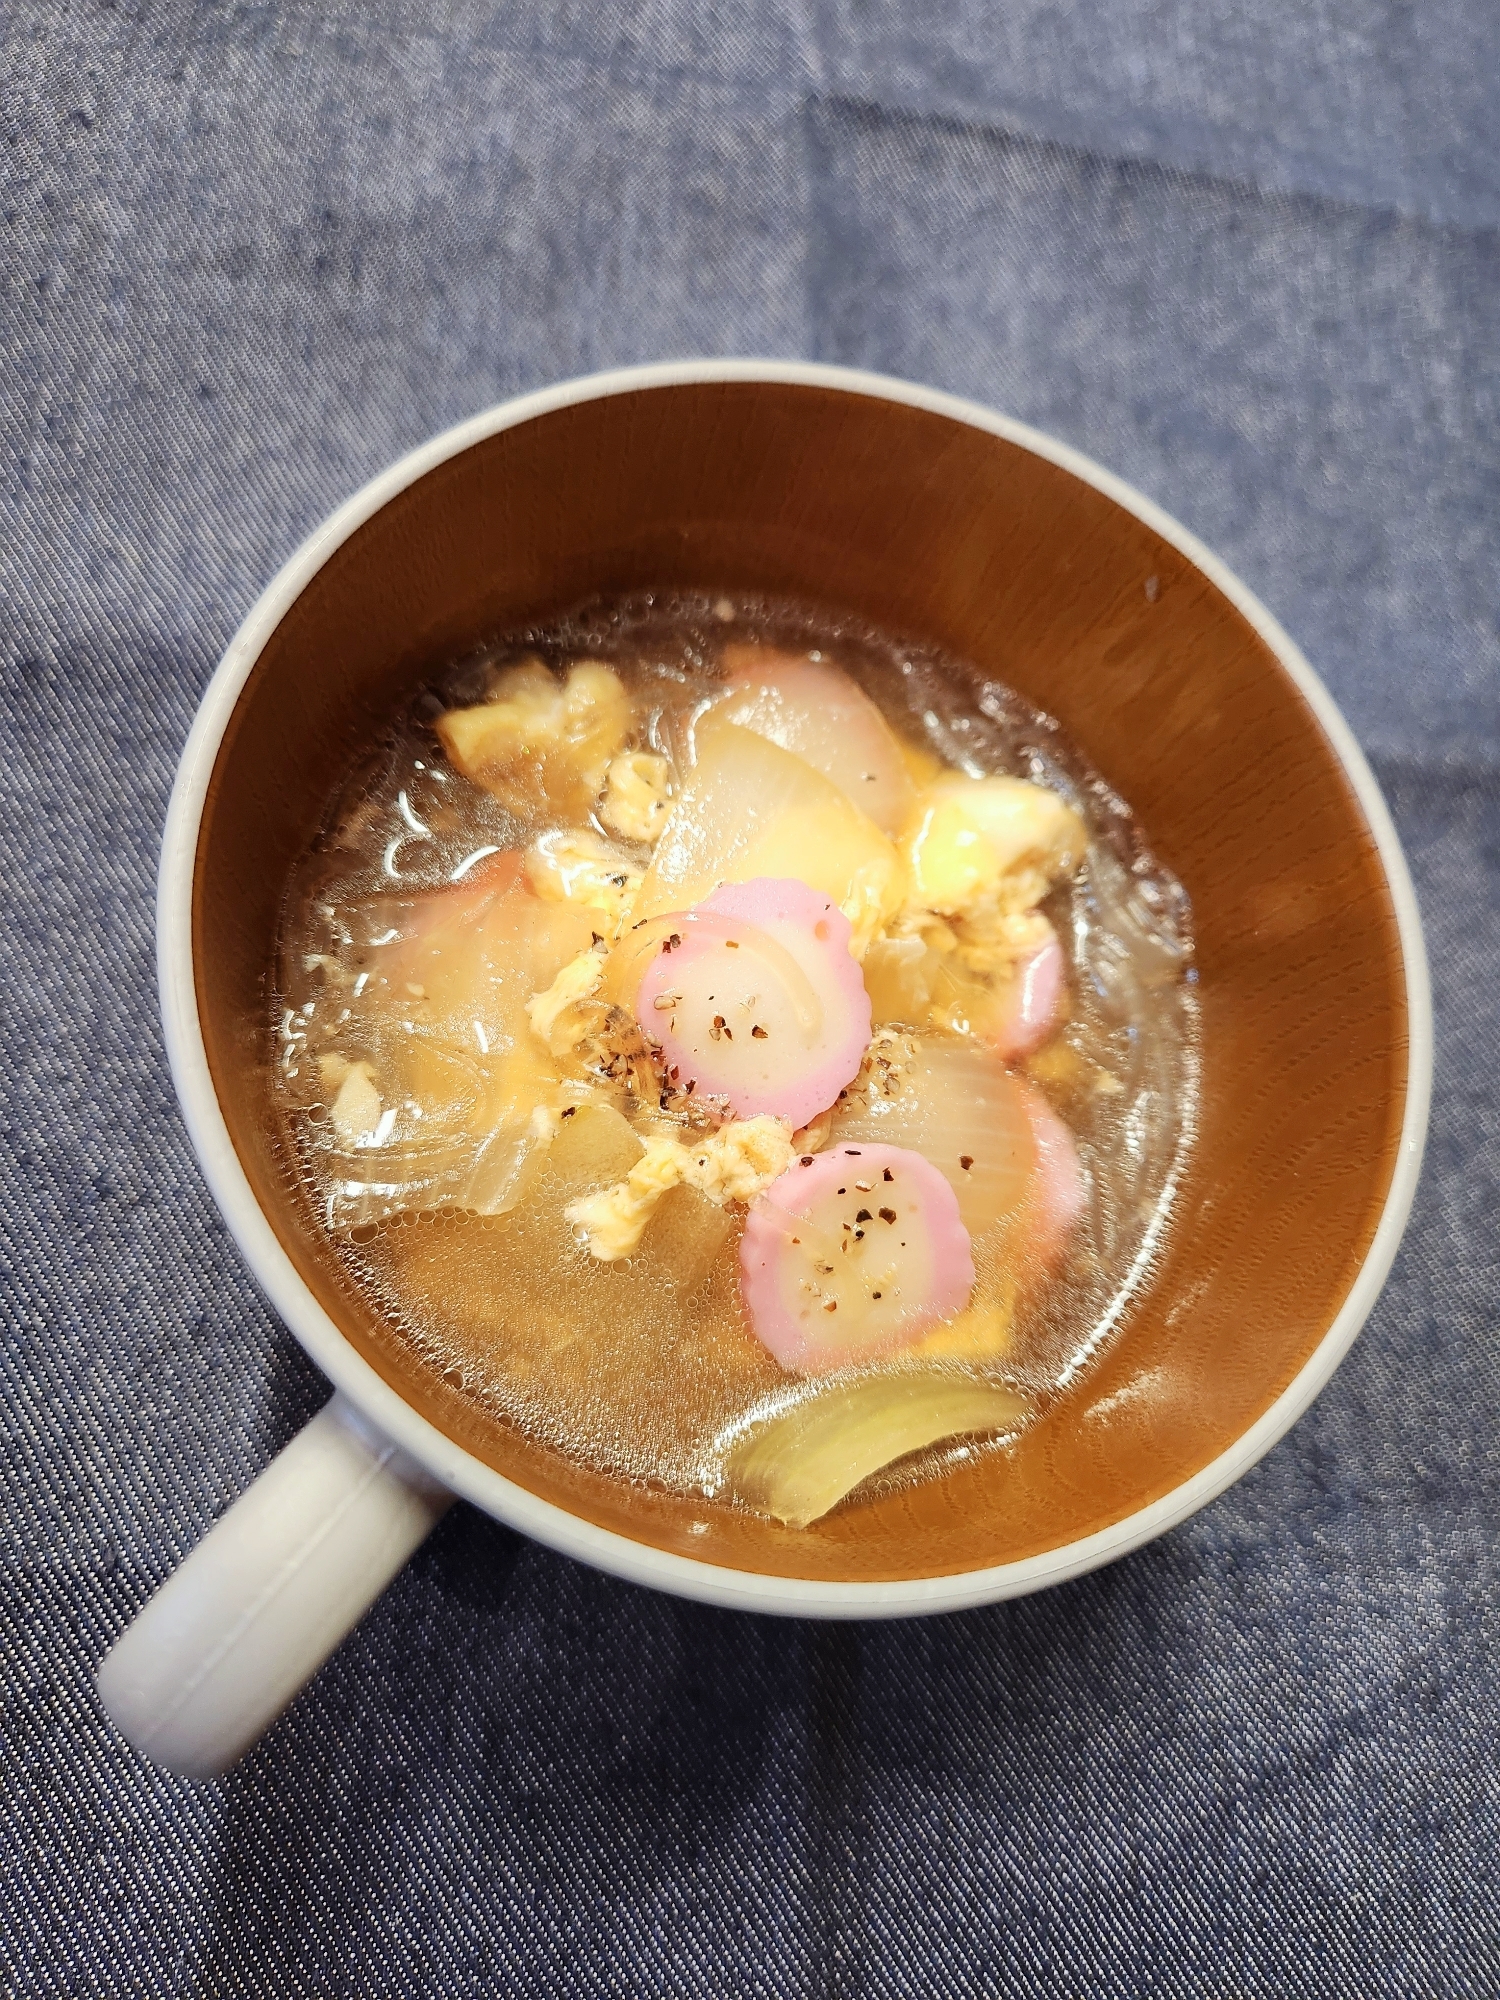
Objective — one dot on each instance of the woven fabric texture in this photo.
(1245, 252)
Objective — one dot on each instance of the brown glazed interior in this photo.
(957, 536)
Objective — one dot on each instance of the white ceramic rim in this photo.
(449, 1462)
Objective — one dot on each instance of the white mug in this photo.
(231, 1636)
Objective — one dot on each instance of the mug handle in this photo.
(255, 1610)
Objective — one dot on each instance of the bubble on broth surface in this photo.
(636, 1368)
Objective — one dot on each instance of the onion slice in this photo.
(955, 1103)
(748, 809)
(802, 1462)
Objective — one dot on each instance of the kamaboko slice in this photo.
(1030, 1002)
(798, 1464)
(753, 997)
(822, 715)
(1013, 1014)
(851, 1255)
(1057, 1188)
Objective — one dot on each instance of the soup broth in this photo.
(738, 1047)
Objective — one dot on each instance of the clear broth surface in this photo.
(626, 1366)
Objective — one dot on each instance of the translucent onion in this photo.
(803, 1461)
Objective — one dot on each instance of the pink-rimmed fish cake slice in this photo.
(852, 1255)
(756, 999)
(1058, 1189)
(1032, 1003)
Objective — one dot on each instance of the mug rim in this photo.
(466, 1475)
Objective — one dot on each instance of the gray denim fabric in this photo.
(1247, 255)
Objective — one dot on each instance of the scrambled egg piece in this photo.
(980, 853)
(901, 976)
(733, 1164)
(990, 940)
(575, 866)
(981, 1333)
(868, 904)
(556, 1014)
(536, 734)
(357, 1104)
(990, 842)
(1065, 1069)
(637, 788)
